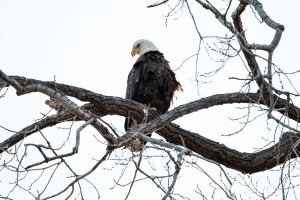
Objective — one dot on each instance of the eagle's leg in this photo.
(150, 107)
(136, 145)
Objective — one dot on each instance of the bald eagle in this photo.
(151, 80)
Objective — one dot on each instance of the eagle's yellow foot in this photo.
(154, 109)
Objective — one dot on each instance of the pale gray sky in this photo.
(88, 43)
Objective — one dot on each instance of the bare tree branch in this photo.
(108, 152)
(247, 162)
(269, 96)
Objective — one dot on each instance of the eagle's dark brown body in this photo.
(151, 82)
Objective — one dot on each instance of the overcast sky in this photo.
(88, 43)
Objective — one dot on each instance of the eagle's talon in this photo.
(154, 109)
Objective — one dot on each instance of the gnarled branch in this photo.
(244, 162)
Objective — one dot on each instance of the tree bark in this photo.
(101, 105)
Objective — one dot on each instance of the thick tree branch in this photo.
(119, 106)
(244, 162)
(65, 102)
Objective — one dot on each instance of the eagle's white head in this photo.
(142, 46)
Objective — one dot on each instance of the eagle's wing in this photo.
(152, 82)
(145, 79)
(131, 83)
(141, 83)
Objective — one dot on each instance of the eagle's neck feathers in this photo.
(148, 46)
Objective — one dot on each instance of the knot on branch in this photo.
(281, 27)
(75, 149)
(54, 104)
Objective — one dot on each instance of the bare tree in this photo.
(261, 92)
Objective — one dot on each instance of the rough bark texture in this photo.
(101, 105)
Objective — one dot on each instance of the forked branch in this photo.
(244, 162)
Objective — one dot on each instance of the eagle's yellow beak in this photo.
(135, 51)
